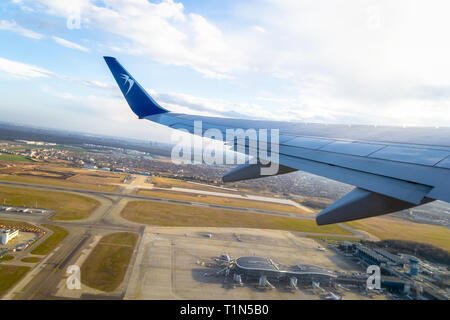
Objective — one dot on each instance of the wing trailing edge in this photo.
(360, 204)
(251, 171)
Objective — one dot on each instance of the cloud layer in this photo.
(68, 44)
(14, 27)
(22, 70)
(360, 61)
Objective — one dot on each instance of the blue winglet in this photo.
(138, 99)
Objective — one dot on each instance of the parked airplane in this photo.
(393, 168)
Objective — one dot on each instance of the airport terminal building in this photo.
(253, 268)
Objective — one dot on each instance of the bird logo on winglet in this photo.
(129, 80)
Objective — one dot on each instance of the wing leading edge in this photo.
(392, 168)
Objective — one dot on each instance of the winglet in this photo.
(138, 99)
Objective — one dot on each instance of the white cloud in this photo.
(108, 108)
(372, 62)
(161, 31)
(194, 103)
(68, 44)
(22, 70)
(259, 29)
(22, 5)
(183, 103)
(376, 62)
(26, 71)
(96, 84)
(14, 27)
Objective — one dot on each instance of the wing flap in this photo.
(251, 171)
(360, 204)
(399, 189)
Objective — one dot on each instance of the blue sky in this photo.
(358, 61)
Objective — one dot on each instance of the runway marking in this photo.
(117, 244)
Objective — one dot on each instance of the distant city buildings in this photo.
(90, 167)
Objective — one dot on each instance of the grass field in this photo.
(162, 214)
(48, 181)
(68, 206)
(11, 157)
(31, 259)
(52, 241)
(9, 275)
(105, 268)
(240, 203)
(7, 257)
(391, 228)
(96, 179)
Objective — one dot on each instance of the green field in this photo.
(11, 157)
(31, 259)
(174, 215)
(6, 257)
(9, 275)
(52, 241)
(105, 268)
(395, 229)
(68, 206)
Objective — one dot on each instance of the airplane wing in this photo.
(393, 168)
